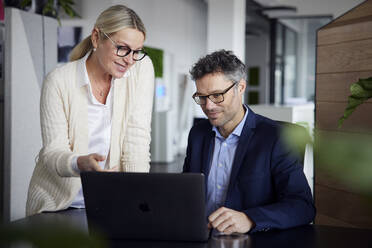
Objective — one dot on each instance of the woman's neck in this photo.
(96, 72)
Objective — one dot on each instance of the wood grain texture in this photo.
(344, 54)
(325, 179)
(347, 207)
(335, 87)
(350, 32)
(321, 219)
(328, 113)
(362, 10)
(353, 56)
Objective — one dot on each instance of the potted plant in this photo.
(51, 7)
(360, 91)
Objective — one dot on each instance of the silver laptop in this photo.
(151, 206)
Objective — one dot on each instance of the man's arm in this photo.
(294, 205)
(187, 161)
(229, 221)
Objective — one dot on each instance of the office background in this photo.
(278, 46)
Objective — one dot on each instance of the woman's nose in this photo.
(129, 58)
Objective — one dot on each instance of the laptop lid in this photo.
(155, 206)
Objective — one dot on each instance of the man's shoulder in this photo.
(266, 124)
(201, 126)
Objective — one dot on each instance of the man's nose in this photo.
(209, 104)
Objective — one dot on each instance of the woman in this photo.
(95, 112)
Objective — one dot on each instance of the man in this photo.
(253, 182)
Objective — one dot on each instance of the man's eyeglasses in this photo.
(215, 97)
(123, 51)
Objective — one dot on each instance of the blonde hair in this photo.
(111, 20)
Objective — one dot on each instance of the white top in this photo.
(99, 125)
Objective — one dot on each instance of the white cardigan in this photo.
(64, 127)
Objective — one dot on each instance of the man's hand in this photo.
(90, 162)
(229, 221)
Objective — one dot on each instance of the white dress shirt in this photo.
(99, 126)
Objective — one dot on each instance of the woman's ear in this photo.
(95, 37)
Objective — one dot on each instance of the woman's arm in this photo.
(136, 147)
(56, 153)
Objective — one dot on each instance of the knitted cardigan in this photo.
(64, 127)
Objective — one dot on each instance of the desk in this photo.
(308, 236)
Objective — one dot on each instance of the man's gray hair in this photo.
(221, 61)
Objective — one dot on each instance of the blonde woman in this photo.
(95, 112)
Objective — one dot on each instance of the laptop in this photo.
(150, 206)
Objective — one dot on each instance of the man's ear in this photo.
(242, 85)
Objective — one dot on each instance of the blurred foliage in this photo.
(347, 157)
(157, 56)
(52, 8)
(361, 91)
(48, 235)
(297, 136)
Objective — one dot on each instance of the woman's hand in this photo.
(90, 162)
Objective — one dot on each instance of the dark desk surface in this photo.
(305, 236)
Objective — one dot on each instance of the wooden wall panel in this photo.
(359, 12)
(335, 87)
(325, 179)
(354, 56)
(344, 206)
(321, 218)
(328, 113)
(352, 32)
(344, 54)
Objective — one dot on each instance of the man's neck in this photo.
(229, 127)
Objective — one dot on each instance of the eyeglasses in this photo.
(123, 51)
(215, 97)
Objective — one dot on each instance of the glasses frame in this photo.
(195, 96)
(129, 51)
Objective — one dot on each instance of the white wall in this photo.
(177, 26)
(226, 26)
(27, 61)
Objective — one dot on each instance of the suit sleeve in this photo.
(186, 164)
(294, 205)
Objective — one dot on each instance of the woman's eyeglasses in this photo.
(123, 51)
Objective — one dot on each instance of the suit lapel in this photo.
(208, 148)
(244, 142)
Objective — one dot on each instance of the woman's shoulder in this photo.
(64, 69)
(62, 73)
(143, 65)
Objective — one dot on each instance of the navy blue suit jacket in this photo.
(267, 182)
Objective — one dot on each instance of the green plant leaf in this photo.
(25, 3)
(46, 235)
(360, 91)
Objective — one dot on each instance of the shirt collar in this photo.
(82, 73)
(238, 129)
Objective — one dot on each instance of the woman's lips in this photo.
(121, 67)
